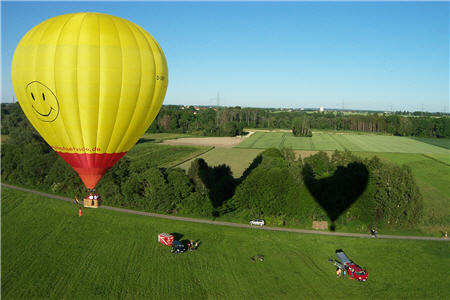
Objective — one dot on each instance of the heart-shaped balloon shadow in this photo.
(337, 193)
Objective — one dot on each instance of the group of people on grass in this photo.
(179, 247)
(191, 246)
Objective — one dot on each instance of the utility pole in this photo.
(217, 109)
(218, 104)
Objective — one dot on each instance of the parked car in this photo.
(178, 247)
(258, 222)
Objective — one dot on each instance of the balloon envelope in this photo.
(91, 84)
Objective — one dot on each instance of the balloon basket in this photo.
(93, 203)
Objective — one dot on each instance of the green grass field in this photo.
(342, 141)
(49, 252)
(444, 143)
(165, 155)
(237, 159)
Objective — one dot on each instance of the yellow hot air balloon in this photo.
(91, 84)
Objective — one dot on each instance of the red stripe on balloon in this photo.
(91, 166)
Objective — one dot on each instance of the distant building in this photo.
(321, 109)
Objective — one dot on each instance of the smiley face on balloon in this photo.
(43, 101)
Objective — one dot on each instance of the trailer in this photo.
(165, 239)
(342, 257)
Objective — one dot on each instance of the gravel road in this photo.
(306, 231)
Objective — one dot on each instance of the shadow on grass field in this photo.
(49, 252)
(238, 159)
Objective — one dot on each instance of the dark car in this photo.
(178, 247)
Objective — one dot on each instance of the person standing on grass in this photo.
(80, 212)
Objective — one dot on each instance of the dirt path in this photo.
(223, 142)
(129, 211)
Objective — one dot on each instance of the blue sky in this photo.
(367, 55)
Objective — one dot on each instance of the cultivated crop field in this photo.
(164, 155)
(49, 252)
(159, 137)
(444, 143)
(237, 159)
(341, 141)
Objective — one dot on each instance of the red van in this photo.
(354, 271)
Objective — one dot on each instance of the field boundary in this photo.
(190, 158)
(435, 159)
(256, 139)
(230, 224)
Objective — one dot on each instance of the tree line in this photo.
(230, 121)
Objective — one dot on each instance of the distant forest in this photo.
(230, 121)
